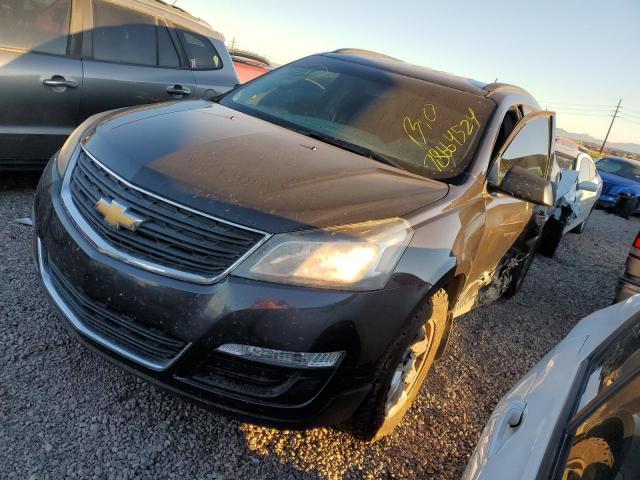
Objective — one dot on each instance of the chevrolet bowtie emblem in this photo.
(116, 214)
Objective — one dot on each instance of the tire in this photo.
(628, 207)
(384, 407)
(519, 274)
(580, 228)
(551, 236)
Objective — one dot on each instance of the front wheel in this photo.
(551, 237)
(403, 371)
(580, 228)
(518, 276)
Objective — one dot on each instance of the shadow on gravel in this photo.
(18, 180)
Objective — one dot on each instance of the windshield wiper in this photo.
(352, 147)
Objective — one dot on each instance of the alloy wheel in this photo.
(408, 370)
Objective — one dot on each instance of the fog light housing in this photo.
(283, 358)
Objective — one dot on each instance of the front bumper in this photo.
(612, 200)
(104, 300)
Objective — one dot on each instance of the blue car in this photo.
(621, 178)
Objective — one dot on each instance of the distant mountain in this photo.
(585, 137)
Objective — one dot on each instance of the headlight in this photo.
(352, 257)
(66, 152)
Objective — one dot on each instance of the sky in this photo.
(577, 58)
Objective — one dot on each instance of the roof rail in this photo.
(365, 53)
(173, 6)
(170, 6)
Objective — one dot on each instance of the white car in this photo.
(576, 414)
(577, 191)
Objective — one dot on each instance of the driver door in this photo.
(511, 222)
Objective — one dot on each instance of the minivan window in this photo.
(529, 149)
(202, 54)
(620, 357)
(416, 125)
(606, 445)
(122, 35)
(41, 26)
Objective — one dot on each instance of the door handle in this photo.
(58, 81)
(178, 90)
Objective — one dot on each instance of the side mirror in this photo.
(588, 186)
(525, 185)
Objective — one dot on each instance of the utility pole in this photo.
(609, 131)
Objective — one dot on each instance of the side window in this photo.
(529, 149)
(606, 445)
(167, 54)
(122, 35)
(565, 161)
(41, 26)
(509, 122)
(201, 52)
(619, 358)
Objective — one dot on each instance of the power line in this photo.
(610, 108)
(583, 114)
(577, 104)
(632, 115)
(630, 120)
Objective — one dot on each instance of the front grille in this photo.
(247, 379)
(122, 330)
(170, 235)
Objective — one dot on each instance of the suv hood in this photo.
(249, 171)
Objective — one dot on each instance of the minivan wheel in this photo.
(404, 370)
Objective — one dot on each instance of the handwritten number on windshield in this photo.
(441, 155)
(413, 128)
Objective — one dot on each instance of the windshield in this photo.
(619, 167)
(415, 125)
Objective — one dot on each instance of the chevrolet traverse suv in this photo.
(294, 252)
(62, 61)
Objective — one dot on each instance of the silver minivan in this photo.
(62, 61)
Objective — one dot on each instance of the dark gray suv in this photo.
(62, 61)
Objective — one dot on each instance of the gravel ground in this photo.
(64, 413)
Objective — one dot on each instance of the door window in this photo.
(167, 54)
(620, 357)
(606, 444)
(201, 52)
(529, 149)
(39, 26)
(565, 161)
(511, 118)
(122, 35)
